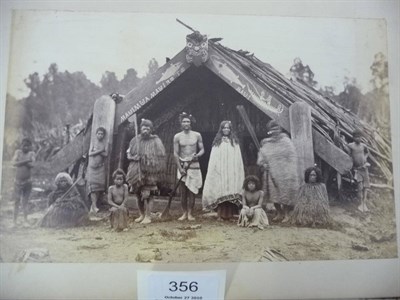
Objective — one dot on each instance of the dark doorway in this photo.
(210, 100)
(208, 138)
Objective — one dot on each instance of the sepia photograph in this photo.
(161, 138)
(181, 153)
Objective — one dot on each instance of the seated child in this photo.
(117, 197)
(312, 206)
(23, 162)
(252, 213)
(66, 207)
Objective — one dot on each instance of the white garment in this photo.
(225, 175)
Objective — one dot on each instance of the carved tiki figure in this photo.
(196, 48)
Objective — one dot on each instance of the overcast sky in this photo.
(99, 42)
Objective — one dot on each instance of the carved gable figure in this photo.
(196, 48)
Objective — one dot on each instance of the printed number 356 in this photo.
(183, 286)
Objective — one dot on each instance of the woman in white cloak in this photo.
(225, 174)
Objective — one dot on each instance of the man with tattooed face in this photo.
(147, 158)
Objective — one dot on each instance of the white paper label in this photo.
(203, 285)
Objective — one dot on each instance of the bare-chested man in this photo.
(359, 154)
(188, 147)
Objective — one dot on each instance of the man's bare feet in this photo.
(363, 207)
(277, 218)
(140, 219)
(93, 209)
(146, 220)
(191, 218)
(285, 219)
(183, 217)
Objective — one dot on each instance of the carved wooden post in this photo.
(301, 134)
(103, 116)
(67, 134)
(122, 147)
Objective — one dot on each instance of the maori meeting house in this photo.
(215, 83)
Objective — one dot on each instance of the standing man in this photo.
(278, 156)
(146, 154)
(188, 147)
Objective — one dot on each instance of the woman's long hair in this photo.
(232, 135)
(317, 172)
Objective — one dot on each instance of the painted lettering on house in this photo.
(170, 74)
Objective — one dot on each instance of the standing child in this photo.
(23, 162)
(359, 154)
(97, 169)
(312, 205)
(117, 197)
(252, 213)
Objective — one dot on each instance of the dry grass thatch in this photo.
(328, 117)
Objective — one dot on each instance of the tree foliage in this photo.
(153, 66)
(129, 82)
(303, 73)
(372, 107)
(57, 99)
(376, 108)
(351, 96)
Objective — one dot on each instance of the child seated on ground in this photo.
(311, 206)
(117, 197)
(252, 213)
(23, 162)
(66, 207)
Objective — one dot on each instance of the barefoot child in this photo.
(117, 196)
(312, 205)
(23, 162)
(359, 154)
(96, 169)
(252, 213)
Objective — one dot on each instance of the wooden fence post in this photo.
(103, 116)
(301, 134)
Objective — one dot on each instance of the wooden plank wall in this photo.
(301, 135)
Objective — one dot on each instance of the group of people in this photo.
(226, 188)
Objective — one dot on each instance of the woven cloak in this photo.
(312, 206)
(65, 210)
(151, 163)
(282, 183)
(225, 175)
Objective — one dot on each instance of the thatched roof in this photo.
(328, 116)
